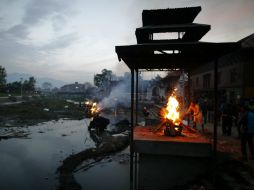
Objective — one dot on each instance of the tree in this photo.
(46, 86)
(14, 87)
(98, 80)
(29, 85)
(2, 78)
(102, 80)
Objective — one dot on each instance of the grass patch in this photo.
(39, 110)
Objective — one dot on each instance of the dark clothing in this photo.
(227, 118)
(204, 109)
(247, 139)
(146, 112)
(246, 124)
(226, 125)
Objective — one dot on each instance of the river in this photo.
(31, 163)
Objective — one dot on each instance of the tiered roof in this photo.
(171, 20)
(170, 16)
(184, 52)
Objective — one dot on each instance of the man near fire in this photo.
(196, 113)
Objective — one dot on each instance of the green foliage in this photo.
(33, 111)
(14, 87)
(2, 78)
(28, 86)
(102, 80)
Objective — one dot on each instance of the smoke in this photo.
(179, 90)
(119, 96)
(183, 79)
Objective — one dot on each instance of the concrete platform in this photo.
(189, 144)
(165, 162)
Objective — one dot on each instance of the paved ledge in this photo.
(189, 144)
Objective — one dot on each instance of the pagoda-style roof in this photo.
(183, 52)
(192, 32)
(170, 16)
(178, 55)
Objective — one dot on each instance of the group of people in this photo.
(243, 117)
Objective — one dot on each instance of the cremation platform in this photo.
(165, 162)
(188, 144)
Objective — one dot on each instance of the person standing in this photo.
(145, 112)
(204, 109)
(227, 118)
(246, 124)
(197, 115)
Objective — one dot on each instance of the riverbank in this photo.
(110, 144)
(36, 111)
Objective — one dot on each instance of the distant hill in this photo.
(12, 77)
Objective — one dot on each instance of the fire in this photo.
(94, 109)
(171, 111)
(91, 108)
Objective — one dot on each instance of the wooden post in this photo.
(189, 96)
(136, 123)
(132, 129)
(215, 108)
(136, 97)
(215, 117)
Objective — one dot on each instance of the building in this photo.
(180, 50)
(74, 88)
(235, 70)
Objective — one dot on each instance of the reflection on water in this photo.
(111, 173)
(31, 163)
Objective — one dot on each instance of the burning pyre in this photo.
(171, 117)
(91, 109)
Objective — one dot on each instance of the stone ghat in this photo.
(188, 144)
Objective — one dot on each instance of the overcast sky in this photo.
(72, 40)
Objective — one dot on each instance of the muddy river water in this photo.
(31, 163)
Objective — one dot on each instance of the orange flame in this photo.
(172, 112)
(92, 107)
(95, 108)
